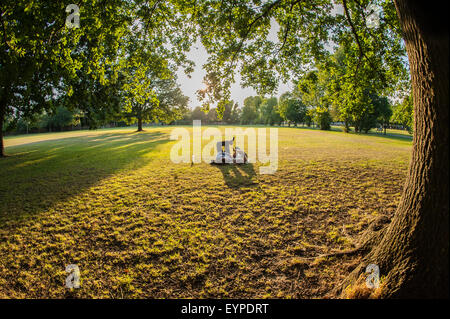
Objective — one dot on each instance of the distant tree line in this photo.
(288, 110)
(327, 94)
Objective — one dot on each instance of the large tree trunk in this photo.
(3, 105)
(2, 148)
(4, 102)
(413, 253)
(140, 124)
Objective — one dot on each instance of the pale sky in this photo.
(238, 94)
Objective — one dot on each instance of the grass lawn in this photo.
(140, 226)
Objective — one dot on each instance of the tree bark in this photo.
(140, 124)
(413, 253)
(2, 147)
(3, 106)
(346, 127)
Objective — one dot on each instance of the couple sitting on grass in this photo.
(224, 155)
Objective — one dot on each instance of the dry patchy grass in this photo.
(139, 226)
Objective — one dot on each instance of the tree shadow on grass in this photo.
(40, 174)
(238, 175)
(392, 136)
(389, 135)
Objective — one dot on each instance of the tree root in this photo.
(368, 240)
(348, 252)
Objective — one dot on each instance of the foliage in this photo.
(108, 59)
(43, 61)
(384, 110)
(323, 118)
(291, 109)
(232, 113)
(250, 111)
(312, 89)
(403, 113)
(63, 117)
(309, 116)
(152, 99)
(268, 111)
(235, 35)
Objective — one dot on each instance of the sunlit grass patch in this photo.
(139, 226)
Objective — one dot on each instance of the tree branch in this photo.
(288, 25)
(5, 39)
(241, 43)
(361, 52)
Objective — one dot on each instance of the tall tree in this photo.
(268, 110)
(37, 50)
(291, 109)
(154, 100)
(384, 110)
(412, 251)
(251, 110)
(41, 58)
(249, 114)
(230, 114)
(403, 113)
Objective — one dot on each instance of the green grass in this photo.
(140, 226)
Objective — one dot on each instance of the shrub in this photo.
(323, 118)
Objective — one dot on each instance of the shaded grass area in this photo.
(46, 172)
(139, 226)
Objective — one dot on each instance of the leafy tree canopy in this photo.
(235, 34)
